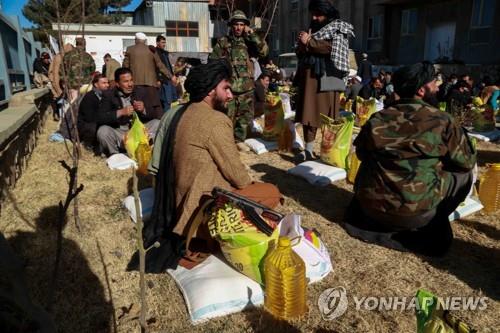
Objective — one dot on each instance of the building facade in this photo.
(406, 31)
(186, 24)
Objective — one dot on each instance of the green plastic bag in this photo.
(336, 140)
(432, 318)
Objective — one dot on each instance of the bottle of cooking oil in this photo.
(143, 155)
(489, 188)
(285, 282)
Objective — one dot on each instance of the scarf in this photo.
(164, 214)
(338, 32)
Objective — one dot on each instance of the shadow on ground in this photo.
(476, 265)
(487, 156)
(262, 321)
(329, 201)
(79, 303)
(485, 229)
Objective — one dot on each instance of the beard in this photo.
(431, 98)
(316, 25)
(220, 105)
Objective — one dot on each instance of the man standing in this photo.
(110, 66)
(323, 54)
(79, 66)
(88, 109)
(416, 164)
(168, 91)
(241, 44)
(116, 108)
(365, 69)
(55, 69)
(198, 153)
(143, 63)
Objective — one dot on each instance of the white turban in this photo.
(140, 36)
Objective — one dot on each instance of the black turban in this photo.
(408, 79)
(324, 7)
(203, 78)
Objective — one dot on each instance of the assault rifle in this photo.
(253, 210)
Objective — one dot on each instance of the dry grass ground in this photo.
(94, 288)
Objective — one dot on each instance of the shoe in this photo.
(242, 147)
(304, 156)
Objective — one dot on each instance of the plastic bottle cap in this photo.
(284, 242)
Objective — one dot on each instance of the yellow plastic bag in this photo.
(274, 118)
(336, 140)
(364, 110)
(242, 244)
(136, 142)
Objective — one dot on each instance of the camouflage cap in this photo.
(239, 16)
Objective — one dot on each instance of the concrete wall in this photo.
(20, 125)
(18, 49)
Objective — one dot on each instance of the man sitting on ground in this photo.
(261, 89)
(116, 109)
(373, 89)
(88, 109)
(198, 153)
(415, 169)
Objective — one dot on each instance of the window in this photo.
(182, 28)
(126, 42)
(481, 21)
(375, 27)
(482, 13)
(374, 42)
(409, 22)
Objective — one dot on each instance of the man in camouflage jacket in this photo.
(241, 44)
(79, 67)
(416, 164)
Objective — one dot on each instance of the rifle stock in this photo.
(253, 210)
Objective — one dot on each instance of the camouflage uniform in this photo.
(79, 66)
(410, 153)
(236, 50)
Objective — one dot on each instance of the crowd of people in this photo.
(416, 161)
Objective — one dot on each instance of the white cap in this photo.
(140, 36)
(358, 78)
(364, 55)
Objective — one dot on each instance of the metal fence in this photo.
(18, 50)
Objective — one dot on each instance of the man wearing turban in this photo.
(198, 153)
(416, 164)
(323, 53)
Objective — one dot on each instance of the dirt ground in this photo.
(96, 294)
